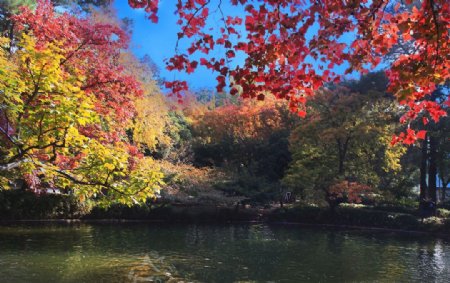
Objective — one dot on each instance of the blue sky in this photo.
(159, 40)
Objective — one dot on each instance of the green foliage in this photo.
(246, 139)
(120, 211)
(12, 6)
(349, 216)
(174, 213)
(347, 137)
(402, 205)
(187, 184)
(180, 147)
(254, 190)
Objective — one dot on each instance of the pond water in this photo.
(227, 253)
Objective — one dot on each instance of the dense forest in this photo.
(82, 116)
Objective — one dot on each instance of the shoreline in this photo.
(438, 234)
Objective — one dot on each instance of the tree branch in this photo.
(189, 22)
(11, 165)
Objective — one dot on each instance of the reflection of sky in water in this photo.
(229, 253)
(434, 261)
(440, 258)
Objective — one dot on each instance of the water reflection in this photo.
(439, 256)
(153, 268)
(433, 260)
(261, 253)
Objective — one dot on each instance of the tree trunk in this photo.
(341, 167)
(444, 188)
(423, 171)
(11, 37)
(280, 191)
(444, 183)
(432, 169)
(342, 151)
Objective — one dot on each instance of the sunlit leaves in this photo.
(346, 136)
(66, 102)
(282, 58)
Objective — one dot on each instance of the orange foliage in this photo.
(254, 120)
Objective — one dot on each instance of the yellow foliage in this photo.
(152, 122)
(52, 123)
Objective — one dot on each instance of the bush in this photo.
(19, 204)
(255, 190)
(447, 225)
(442, 212)
(445, 205)
(404, 205)
(120, 211)
(397, 209)
(302, 214)
(347, 215)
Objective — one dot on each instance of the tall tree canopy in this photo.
(292, 46)
(347, 137)
(246, 137)
(65, 103)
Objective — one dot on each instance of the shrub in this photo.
(347, 215)
(20, 204)
(254, 189)
(442, 212)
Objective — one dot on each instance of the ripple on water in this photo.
(232, 253)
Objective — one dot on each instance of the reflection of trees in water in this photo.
(261, 253)
(195, 236)
(91, 253)
(334, 243)
(113, 267)
(392, 267)
(432, 261)
(210, 236)
(261, 233)
(153, 268)
(135, 253)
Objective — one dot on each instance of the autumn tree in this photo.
(434, 152)
(236, 132)
(249, 141)
(346, 137)
(284, 60)
(152, 127)
(65, 104)
(11, 7)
